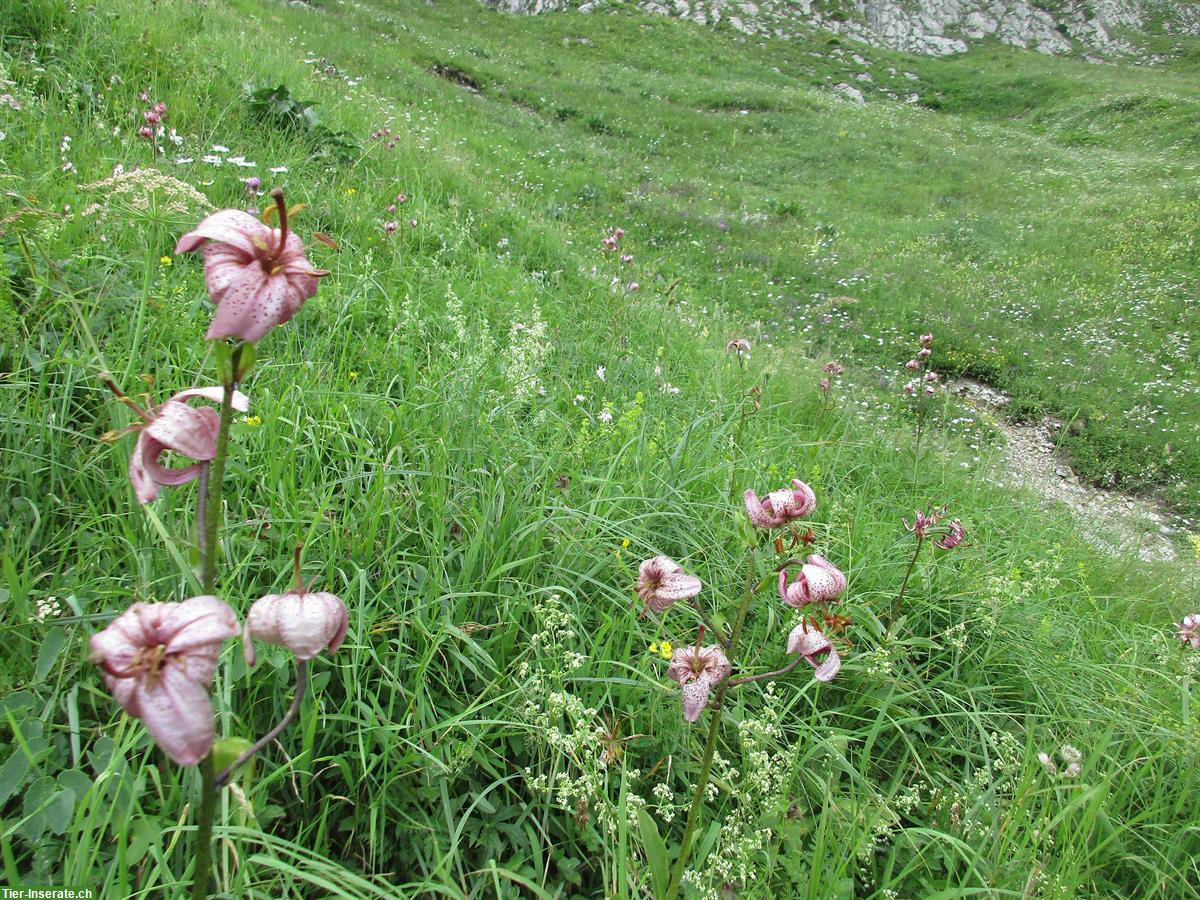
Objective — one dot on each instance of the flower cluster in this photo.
(612, 241)
(152, 117)
(924, 380)
(391, 225)
(699, 669)
(385, 134)
(834, 370)
(926, 525)
(159, 659)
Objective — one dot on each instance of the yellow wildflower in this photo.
(353, 374)
(252, 420)
(166, 261)
(625, 544)
(665, 649)
(350, 192)
(654, 646)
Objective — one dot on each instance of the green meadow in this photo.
(484, 421)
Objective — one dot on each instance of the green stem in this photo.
(710, 746)
(204, 828)
(737, 441)
(698, 797)
(903, 587)
(216, 475)
(301, 683)
(139, 323)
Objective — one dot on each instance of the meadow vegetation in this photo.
(485, 420)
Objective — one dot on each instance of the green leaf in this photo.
(60, 810)
(12, 773)
(223, 355)
(48, 655)
(656, 852)
(244, 357)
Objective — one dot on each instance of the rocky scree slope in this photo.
(937, 27)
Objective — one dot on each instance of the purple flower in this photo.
(781, 506)
(819, 581)
(698, 670)
(810, 643)
(158, 661)
(662, 583)
(953, 538)
(1189, 630)
(922, 523)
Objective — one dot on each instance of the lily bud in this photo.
(306, 623)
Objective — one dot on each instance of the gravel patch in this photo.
(1114, 522)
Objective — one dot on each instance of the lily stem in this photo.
(766, 676)
(216, 475)
(204, 828)
(710, 745)
(301, 683)
(907, 575)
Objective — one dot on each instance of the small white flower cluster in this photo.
(47, 608)
(528, 350)
(574, 773)
(882, 660)
(746, 831)
(956, 636)
(63, 149)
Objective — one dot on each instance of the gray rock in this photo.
(850, 92)
(931, 27)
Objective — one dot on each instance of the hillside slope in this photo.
(484, 421)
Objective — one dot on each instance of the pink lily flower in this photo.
(257, 276)
(782, 506)
(306, 623)
(738, 346)
(810, 643)
(662, 583)
(926, 340)
(922, 523)
(179, 427)
(953, 538)
(698, 670)
(818, 581)
(1189, 630)
(158, 661)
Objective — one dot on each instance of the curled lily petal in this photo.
(811, 643)
(662, 582)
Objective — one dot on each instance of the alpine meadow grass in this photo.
(589, 279)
